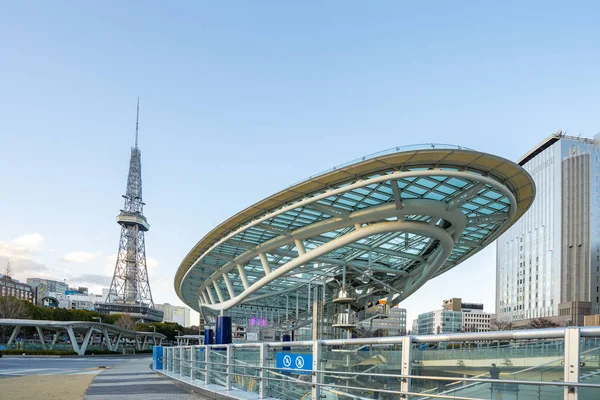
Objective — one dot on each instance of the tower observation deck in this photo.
(130, 287)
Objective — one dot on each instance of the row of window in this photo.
(18, 293)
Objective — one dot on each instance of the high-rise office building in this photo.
(548, 262)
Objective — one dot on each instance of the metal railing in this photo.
(399, 367)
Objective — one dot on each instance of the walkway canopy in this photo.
(80, 334)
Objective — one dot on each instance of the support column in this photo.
(262, 381)
(229, 368)
(192, 362)
(405, 368)
(223, 327)
(572, 360)
(308, 305)
(107, 339)
(138, 344)
(55, 339)
(86, 341)
(13, 335)
(207, 368)
(41, 335)
(73, 339)
(315, 314)
(181, 359)
(144, 342)
(117, 340)
(209, 336)
(317, 377)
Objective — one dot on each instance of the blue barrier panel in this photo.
(223, 326)
(294, 363)
(286, 338)
(209, 336)
(157, 357)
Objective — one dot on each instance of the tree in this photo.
(8, 269)
(539, 323)
(11, 308)
(502, 326)
(169, 329)
(126, 322)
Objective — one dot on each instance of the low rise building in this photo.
(10, 287)
(439, 321)
(382, 317)
(47, 291)
(455, 316)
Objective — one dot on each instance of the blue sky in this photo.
(241, 99)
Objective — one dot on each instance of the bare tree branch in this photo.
(126, 322)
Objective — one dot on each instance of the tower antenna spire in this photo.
(129, 291)
(137, 120)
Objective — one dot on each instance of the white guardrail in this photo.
(399, 367)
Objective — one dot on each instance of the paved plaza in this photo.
(14, 366)
(134, 380)
(124, 378)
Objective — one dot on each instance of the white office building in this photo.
(180, 315)
(548, 262)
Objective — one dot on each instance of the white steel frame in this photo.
(316, 386)
(112, 334)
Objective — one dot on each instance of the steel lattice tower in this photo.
(130, 287)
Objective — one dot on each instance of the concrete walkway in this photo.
(133, 380)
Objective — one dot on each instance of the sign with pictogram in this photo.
(294, 363)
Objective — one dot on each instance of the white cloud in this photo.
(22, 246)
(152, 264)
(80, 257)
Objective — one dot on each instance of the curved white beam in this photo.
(446, 243)
(431, 208)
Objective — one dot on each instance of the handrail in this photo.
(268, 375)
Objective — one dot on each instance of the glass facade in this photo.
(439, 321)
(533, 277)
